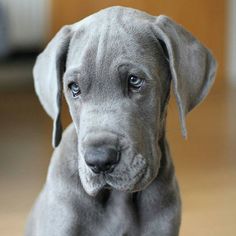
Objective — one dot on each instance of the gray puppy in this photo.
(112, 173)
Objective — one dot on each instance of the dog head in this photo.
(115, 68)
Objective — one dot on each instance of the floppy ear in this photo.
(192, 66)
(48, 72)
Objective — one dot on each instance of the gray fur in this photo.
(141, 196)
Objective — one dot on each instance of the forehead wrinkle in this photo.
(131, 41)
(71, 74)
(111, 40)
(102, 47)
(105, 42)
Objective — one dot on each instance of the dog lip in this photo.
(107, 186)
(110, 184)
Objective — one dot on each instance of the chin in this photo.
(134, 175)
(141, 181)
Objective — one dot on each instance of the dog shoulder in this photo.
(64, 158)
(69, 140)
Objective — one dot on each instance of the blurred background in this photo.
(205, 163)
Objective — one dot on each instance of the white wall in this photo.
(28, 21)
(231, 45)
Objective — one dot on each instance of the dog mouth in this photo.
(112, 184)
(130, 175)
(128, 178)
(107, 186)
(124, 182)
(131, 184)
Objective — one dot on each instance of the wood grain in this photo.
(206, 19)
(205, 163)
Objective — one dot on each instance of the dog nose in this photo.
(102, 159)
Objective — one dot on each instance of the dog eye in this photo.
(75, 89)
(134, 82)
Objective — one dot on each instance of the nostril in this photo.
(118, 154)
(107, 166)
(95, 169)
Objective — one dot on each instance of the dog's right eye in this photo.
(75, 89)
(135, 83)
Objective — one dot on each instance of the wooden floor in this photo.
(205, 163)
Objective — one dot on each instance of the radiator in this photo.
(27, 22)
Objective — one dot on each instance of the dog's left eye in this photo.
(75, 89)
(135, 83)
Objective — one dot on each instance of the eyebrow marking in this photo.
(72, 73)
